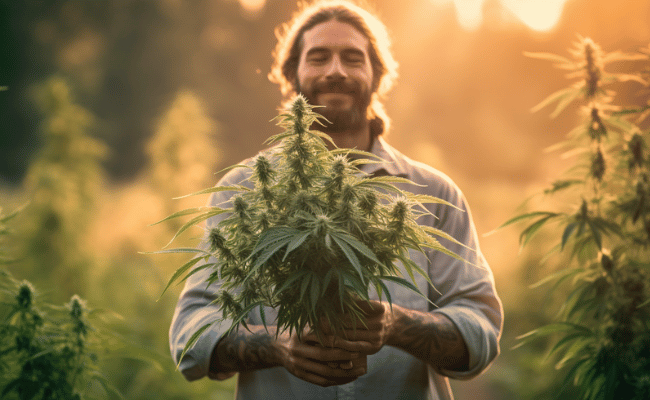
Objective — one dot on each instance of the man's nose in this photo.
(336, 70)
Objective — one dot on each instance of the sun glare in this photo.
(252, 6)
(469, 13)
(539, 15)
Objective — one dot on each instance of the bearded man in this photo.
(337, 55)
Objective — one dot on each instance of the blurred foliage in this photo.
(182, 150)
(62, 183)
(603, 326)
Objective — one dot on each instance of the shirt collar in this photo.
(392, 164)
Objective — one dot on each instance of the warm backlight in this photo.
(252, 6)
(539, 15)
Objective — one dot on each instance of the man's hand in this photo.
(371, 334)
(323, 365)
(431, 337)
(335, 362)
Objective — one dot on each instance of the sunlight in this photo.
(469, 13)
(539, 15)
(252, 6)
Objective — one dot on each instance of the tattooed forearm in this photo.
(432, 338)
(244, 351)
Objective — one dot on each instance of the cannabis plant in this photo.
(308, 233)
(603, 232)
(47, 351)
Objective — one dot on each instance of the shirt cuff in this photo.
(480, 338)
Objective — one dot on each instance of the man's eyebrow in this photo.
(318, 49)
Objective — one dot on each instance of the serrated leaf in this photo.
(179, 251)
(559, 275)
(358, 246)
(215, 189)
(196, 220)
(295, 242)
(557, 96)
(525, 216)
(190, 343)
(401, 281)
(426, 199)
(567, 232)
(531, 230)
(180, 271)
(180, 214)
(349, 254)
(549, 57)
(381, 289)
(440, 233)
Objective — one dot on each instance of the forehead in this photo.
(334, 34)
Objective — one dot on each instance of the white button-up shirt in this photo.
(463, 292)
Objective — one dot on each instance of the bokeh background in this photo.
(173, 91)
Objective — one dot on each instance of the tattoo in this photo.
(243, 351)
(434, 339)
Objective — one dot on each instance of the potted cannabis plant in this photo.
(308, 233)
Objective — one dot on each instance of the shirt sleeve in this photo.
(464, 290)
(194, 309)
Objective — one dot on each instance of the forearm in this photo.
(245, 351)
(432, 338)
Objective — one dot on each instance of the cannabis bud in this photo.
(598, 165)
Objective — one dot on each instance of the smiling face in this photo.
(335, 71)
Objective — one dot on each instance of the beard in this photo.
(340, 120)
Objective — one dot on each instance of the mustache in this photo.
(337, 87)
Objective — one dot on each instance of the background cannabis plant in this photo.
(308, 233)
(603, 326)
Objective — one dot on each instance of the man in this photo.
(337, 55)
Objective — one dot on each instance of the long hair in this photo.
(384, 67)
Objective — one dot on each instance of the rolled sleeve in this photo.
(466, 289)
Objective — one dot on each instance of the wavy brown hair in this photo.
(384, 67)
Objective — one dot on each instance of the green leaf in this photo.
(530, 231)
(180, 271)
(357, 245)
(560, 95)
(401, 281)
(426, 199)
(574, 350)
(567, 232)
(198, 219)
(440, 233)
(270, 242)
(595, 234)
(559, 275)
(349, 254)
(551, 329)
(180, 214)
(526, 216)
(381, 289)
(549, 57)
(564, 102)
(178, 250)
(215, 189)
(193, 339)
(106, 384)
(296, 242)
